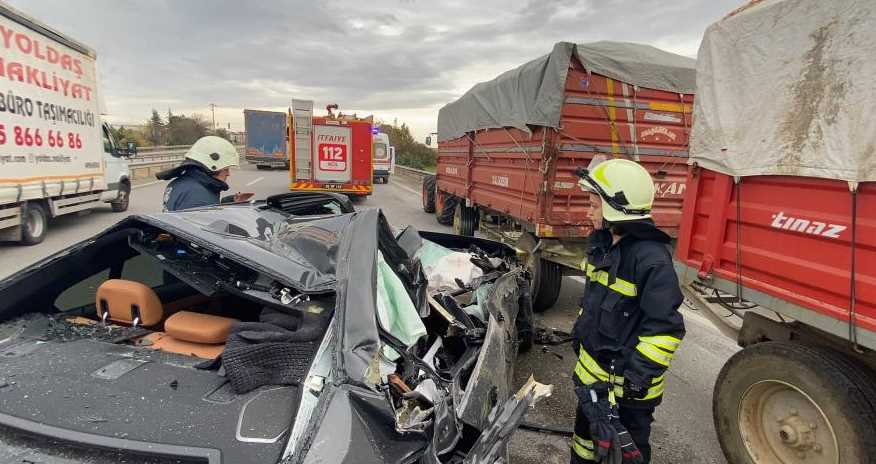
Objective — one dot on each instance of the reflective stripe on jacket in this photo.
(629, 317)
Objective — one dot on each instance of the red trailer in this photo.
(508, 148)
(779, 228)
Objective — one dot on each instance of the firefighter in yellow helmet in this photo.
(629, 327)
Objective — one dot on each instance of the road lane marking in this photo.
(256, 181)
(405, 187)
(147, 184)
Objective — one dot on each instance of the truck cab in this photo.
(117, 173)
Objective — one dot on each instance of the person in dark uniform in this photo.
(201, 178)
(629, 328)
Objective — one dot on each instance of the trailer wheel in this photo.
(783, 403)
(124, 198)
(428, 194)
(465, 220)
(34, 223)
(445, 208)
(547, 278)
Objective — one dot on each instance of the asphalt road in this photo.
(683, 431)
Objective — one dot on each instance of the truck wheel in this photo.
(34, 223)
(124, 198)
(547, 277)
(445, 208)
(428, 194)
(779, 402)
(465, 220)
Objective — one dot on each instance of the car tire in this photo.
(525, 322)
(124, 198)
(772, 398)
(547, 278)
(465, 220)
(34, 223)
(428, 194)
(445, 208)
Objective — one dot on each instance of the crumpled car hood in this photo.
(300, 251)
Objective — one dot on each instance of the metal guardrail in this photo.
(150, 160)
(411, 172)
(152, 155)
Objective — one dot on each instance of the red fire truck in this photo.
(329, 153)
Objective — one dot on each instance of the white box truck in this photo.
(56, 157)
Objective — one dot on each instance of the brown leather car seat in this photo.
(128, 302)
(185, 332)
(193, 334)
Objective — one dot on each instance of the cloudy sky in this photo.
(399, 59)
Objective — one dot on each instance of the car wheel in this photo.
(428, 194)
(34, 223)
(124, 198)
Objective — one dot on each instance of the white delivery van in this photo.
(56, 157)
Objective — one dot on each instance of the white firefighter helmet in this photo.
(215, 153)
(626, 188)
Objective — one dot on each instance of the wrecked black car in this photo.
(291, 330)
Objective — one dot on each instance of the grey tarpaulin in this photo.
(787, 87)
(532, 94)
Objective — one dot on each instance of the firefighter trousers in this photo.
(637, 421)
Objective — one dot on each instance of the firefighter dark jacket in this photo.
(629, 313)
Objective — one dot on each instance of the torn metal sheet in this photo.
(504, 419)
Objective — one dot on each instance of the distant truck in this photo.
(508, 149)
(331, 153)
(56, 157)
(384, 158)
(266, 144)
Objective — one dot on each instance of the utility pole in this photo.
(213, 110)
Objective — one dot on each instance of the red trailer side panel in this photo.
(794, 236)
(531, 177)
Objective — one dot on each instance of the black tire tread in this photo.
(549, 282)
(26, 237)
(119, 207)
(835, 369)
(445, 216)
(429, 194)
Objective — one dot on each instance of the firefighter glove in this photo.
(598, 411)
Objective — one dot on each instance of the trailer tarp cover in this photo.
(533, 93)
(787, 87)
